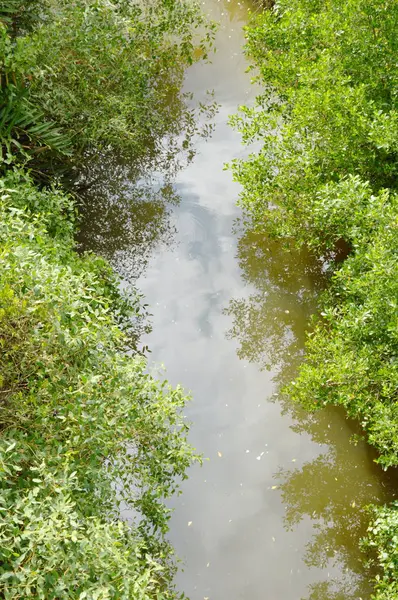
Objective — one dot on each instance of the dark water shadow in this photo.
(125, 201)
(333, 490)
(125, 225)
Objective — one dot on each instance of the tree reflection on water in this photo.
(125, 225)
(334, 489)
(270, 324)
(125, 201)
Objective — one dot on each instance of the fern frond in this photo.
(23, 125)
(19, 14)
(9, 9)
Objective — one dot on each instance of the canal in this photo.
(277, 510)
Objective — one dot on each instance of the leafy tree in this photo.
(85, 77)
(326, 173)
(328, 110)
(84, 429)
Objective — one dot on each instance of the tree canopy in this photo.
(85, 430)
(326, 174)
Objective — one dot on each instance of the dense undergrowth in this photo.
(85, 80)
(78, 417)
(85, 431)
(327, 173)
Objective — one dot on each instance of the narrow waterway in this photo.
(277, 511)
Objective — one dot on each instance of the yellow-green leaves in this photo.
(77, 416)
(326, 177)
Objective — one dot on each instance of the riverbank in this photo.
(282, 508)
(326, 174)
(84, 429)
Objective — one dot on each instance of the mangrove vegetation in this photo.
(85, 431)
(91, 98)
(325, 179)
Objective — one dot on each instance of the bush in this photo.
(326, 172)
(84, 428)
(351, 355)
(87, 77)
(383, 539)
(110, 73)
(329, 109)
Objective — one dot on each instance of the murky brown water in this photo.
(277, 511)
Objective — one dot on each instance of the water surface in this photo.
(277, 511)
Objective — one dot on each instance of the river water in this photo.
(277, 510)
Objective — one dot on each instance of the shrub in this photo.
(85, 429)
(326, 172)
(383, 539)
(329, 109)
(351, 355)
(102, 76)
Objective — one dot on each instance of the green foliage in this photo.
(329, 109)
(24, 129)
(95, 76)
(110, 73)
(351, 355)
(21, 15)
(328, 123)
(85, 430)
(326, 173)
(383, 539)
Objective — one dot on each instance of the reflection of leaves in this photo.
(270, 324)
(123, 217)
(124, 229)
(125, 199)
(340, 590)
(333, 489)
(237, 11)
